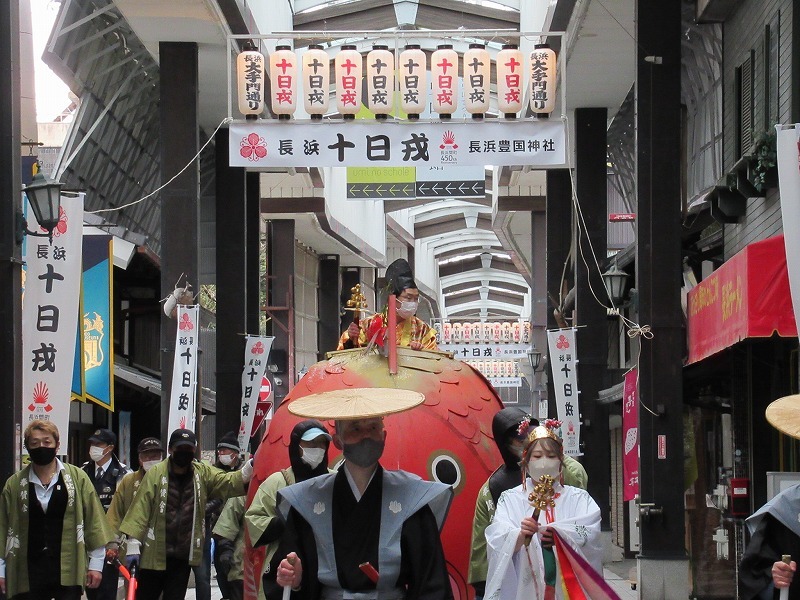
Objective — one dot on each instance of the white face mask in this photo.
(313, 456)
(544, 466)
(149, 464)
(226, 459)
(407, 309)
(96, 453)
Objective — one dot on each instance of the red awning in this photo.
(748, 296)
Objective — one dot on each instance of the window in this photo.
(771, 79)
(744, 108)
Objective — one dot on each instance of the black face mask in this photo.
(364, 453)
(42, 456)
(182, 458)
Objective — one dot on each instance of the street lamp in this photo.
(534, 358)
(44, 196)
(614, 279)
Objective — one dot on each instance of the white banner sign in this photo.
(256, 352)
(390, 144)
(182, 403)
(486, 351)
(789, 180)
(50, 308)
(506, 382)
(563, 362)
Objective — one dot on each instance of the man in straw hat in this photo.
(363, 531)
(774, 528)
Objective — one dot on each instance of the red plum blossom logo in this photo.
(253, 147)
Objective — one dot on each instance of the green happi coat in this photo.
(85, 528)
(122, 500)
(146, 520)
(229, 526)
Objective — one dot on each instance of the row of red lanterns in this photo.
(409, 79)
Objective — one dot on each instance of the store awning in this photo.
(746, 297)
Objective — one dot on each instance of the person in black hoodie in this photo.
(308, 457)
(505, 429)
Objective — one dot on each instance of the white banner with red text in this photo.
(362, 143)
(182, 398)
(50, 305)
(256, 353)
(564, 363)
(788, 143)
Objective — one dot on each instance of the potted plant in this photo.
(763, 171)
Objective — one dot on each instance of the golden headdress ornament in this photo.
(551, 428)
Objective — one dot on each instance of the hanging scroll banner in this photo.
(630, 435)
(256, 353)
(563, 363)
(182, 405)
(255, 144)
(50, 316)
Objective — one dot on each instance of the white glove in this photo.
(134, 546)
(247, 471)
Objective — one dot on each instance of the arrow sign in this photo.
(451, 189)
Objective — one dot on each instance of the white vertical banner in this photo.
(256, 352)
(182, 404)
(50, 306)
(564, 365)
(788, 143)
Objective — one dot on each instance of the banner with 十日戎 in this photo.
(268, 143)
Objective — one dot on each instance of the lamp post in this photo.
(44, 196)
(615, 280)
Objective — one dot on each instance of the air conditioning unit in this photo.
(715, 11)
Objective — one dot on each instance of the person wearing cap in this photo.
(522, 545)
(168, 514)
(308, 457)
(104, 469)
(106, 473)
(506, 425)
(151, 452)
(363, 531)
(53, 530)
(412, 332)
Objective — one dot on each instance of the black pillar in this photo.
(658, 279)
(232, 286)
(559, 240)
(253, 251)
(328, 303)
(592, 339)
(539, 302)
(180, 202)
(10, 257)
(280, 261)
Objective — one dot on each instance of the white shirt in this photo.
(43, 495)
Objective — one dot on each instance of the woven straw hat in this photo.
(355, 403)
(784, 415)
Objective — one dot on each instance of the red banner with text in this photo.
(630, 435)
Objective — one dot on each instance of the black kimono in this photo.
(356, 527)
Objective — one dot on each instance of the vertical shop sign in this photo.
(52, 286)
(563, 362)
(630, 435)
(256, 353)
(182, 404)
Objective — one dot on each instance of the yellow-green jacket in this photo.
(85, 528)
(145, 520)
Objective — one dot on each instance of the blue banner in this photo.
(93, 374)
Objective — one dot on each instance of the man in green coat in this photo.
(168, 513)
(151, 452)
(50, 520)
(505, 429)
(229, 550)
